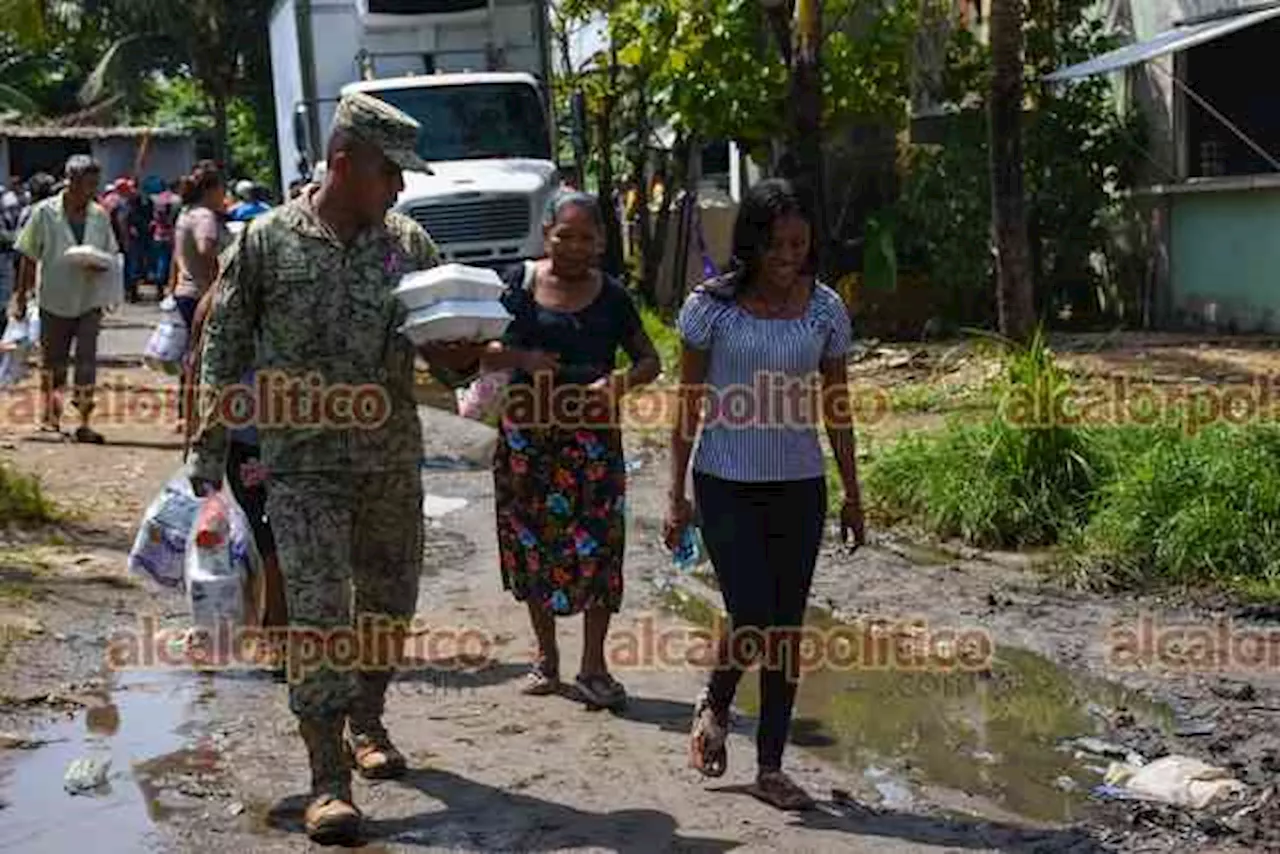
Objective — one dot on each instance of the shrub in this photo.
(22, 499)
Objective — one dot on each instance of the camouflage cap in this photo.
(392, 131)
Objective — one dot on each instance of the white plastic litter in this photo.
(1179, 780)
(160, 547)
(85, 775)
(449, 282)
(457, 320)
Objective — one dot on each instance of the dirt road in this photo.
(901, 761)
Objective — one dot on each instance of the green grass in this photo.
(926, 398)
(665, 338)
(1198, 508)
(22, 500)
(994, 483)
(1137, 505)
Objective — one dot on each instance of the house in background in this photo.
(1197, 69)
(163, 152)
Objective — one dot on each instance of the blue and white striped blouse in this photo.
(763, 385)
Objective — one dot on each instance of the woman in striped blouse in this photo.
(754, 343)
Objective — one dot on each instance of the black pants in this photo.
(187, 308)
(763, 540)
(249, 493)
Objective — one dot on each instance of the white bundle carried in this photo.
(90, 258)
(453, 302)
(168, 342)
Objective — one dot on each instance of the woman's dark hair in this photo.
(203, 178)
(41, 186)
(764, 204)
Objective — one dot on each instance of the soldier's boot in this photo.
(331, 817)
(372, 752)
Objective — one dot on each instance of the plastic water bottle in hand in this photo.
(689, 552)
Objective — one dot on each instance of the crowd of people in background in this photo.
(144, 219)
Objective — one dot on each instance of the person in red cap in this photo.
(116, 204)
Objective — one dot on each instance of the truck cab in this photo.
(474, 73)
(488, 139)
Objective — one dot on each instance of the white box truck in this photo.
(474, 73)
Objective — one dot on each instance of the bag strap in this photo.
(530, 276)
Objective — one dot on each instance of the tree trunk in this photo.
(220, 129)
(1009, 219)
(805, 146)
(644, 217)
(579, 155)
(658, 243)
(613, 260)
(688, 209)
(613, 263)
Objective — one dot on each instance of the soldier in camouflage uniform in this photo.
(306, 290)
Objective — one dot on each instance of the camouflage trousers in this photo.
(350, 549)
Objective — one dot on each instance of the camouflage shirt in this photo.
(316, 319)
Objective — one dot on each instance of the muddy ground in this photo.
(901, 760)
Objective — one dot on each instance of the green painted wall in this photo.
(1225, 259)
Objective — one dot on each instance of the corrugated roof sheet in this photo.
(87, 132)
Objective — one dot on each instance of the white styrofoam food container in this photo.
(457, 320)
(425, 288)
(90, 257)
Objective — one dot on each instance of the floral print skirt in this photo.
(560, 496)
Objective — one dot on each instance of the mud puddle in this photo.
(993, 740)
(147, 726)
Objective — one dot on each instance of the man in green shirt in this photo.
(70, 291)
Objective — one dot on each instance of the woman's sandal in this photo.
(778, 790)
(707, 751)
(541, 682)
(601, 689)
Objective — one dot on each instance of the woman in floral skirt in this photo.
(560, 478)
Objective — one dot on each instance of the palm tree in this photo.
(212, 39)
(29, 22)
(1009, 219)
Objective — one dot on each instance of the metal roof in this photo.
(1170, 41)
(87, 132)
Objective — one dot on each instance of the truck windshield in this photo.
(475, 122)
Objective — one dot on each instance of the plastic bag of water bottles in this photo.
(221, 560)
(168, 343)
(20, 335)
(160, 547)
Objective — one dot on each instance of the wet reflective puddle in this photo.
(994, 737)
(143, 724)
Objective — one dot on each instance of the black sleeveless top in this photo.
(586, 341)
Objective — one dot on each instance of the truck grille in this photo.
(480, 221)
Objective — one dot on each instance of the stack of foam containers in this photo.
(453, 302)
